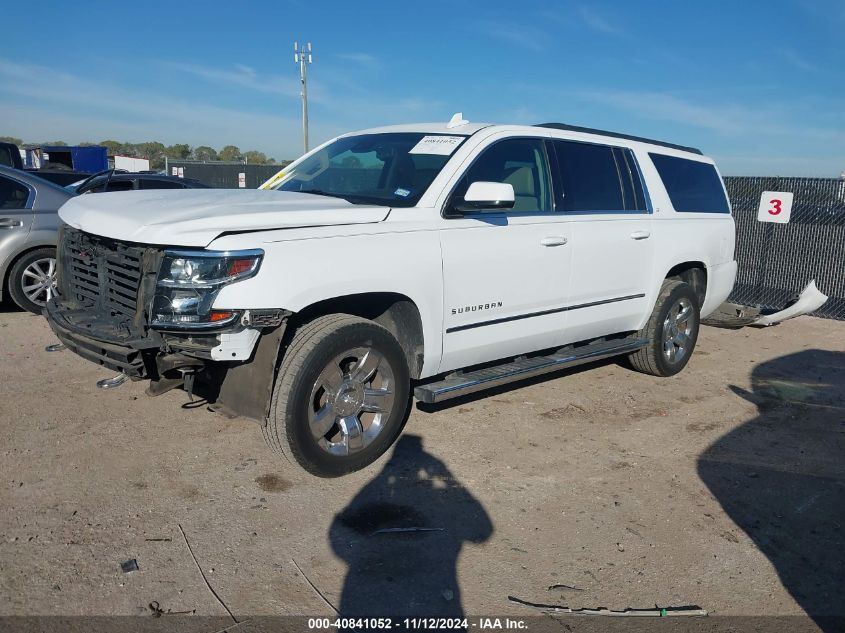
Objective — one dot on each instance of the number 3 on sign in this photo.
(775, 206)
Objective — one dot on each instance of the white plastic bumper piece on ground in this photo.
(810, 299)
(236, 346)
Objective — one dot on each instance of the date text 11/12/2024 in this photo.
(432, 624)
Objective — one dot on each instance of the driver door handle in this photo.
(553, 240)
(8, 223)
(640, 235)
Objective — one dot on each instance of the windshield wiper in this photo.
(320, 192)
(351, 198)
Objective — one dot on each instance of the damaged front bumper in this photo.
(234, 367)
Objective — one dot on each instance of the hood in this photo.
(195, 217)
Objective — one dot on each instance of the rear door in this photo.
(16, 198)
(600, 190)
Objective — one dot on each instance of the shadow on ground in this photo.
(7, 305)
(781, 477)
(394, 570)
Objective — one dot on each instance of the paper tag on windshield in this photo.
(442, 145)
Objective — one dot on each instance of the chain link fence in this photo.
(223, 175)
(776, 261)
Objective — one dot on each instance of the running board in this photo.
(520, 369)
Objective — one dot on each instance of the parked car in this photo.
(433, 259)
(124, 181)
(28, 233)
(58, 173)
(10, 155)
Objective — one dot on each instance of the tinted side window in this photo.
(589, 177)
(114, 185)
(520, 162)
(13, 195)
(629, 176)
(692, 186)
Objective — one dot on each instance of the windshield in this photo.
(391, 169)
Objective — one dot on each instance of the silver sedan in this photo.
(29, 224)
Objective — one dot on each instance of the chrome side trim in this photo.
(517, 317)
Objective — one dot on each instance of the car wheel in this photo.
(341, 396)
(32, 279)
(672, 331)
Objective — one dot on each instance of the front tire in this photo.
(341, 396)
(672, 331)
(32, 279)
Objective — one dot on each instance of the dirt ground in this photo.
(722, 487)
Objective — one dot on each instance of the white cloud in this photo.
(667, 107)
(525, 37)
(797, 61)
(734, 120)
(362, 59)
(239, 75)
(597, 22)
(39, 102)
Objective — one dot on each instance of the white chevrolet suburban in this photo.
(441, 259)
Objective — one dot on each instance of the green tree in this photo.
(255, 158)
(152, 151)
(113, 147)
(11, 139)
(179, 151)
(204, 152)
(231, 153)
(61, 143)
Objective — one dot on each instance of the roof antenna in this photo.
(457, 120)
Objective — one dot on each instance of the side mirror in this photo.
(486, 196)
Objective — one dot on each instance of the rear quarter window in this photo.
(693, 186)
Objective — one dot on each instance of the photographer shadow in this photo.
(401, 537)
(781, 477)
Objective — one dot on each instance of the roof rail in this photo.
(629, 137)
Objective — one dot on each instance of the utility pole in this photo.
(303, 58)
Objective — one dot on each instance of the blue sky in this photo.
(758, 85)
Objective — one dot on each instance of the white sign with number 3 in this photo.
(775, 206)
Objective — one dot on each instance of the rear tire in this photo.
(32, 279)
(672, 331)
(341, 396)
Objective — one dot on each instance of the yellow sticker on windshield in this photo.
(273, 180)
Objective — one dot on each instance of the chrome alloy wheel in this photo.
(350, 401)
(39, 281)
(677, 329)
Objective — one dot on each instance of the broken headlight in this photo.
(188, 283)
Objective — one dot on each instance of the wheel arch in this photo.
(394, 311)
(694, 273)
(7, 265)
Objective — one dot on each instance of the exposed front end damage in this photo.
(103, 312)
